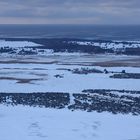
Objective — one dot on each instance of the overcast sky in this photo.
(70, 11)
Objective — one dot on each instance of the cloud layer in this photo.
(70, 11)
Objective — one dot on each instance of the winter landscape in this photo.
(69, 89)
(69, 70)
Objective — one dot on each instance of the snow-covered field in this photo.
(27, 123)
(45, 71)
(17, 44)
(42, 78)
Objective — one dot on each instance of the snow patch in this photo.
(18, 44)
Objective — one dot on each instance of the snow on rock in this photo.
(110, 45)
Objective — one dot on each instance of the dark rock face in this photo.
(100, 104)
(86, 71)
(54, 100)
(59, 76)
(107, 100)
(113, 101)
(126, 76)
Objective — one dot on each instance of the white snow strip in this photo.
(19, 44)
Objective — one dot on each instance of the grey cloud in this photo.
(100, 11)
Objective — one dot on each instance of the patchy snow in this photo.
(110, 45)
(126, 94)
(71, 83)
(14, 48)
(28, 123)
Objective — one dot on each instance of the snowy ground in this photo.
(27, 123)
(41, 78)
(17, 44)
(53, 73)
